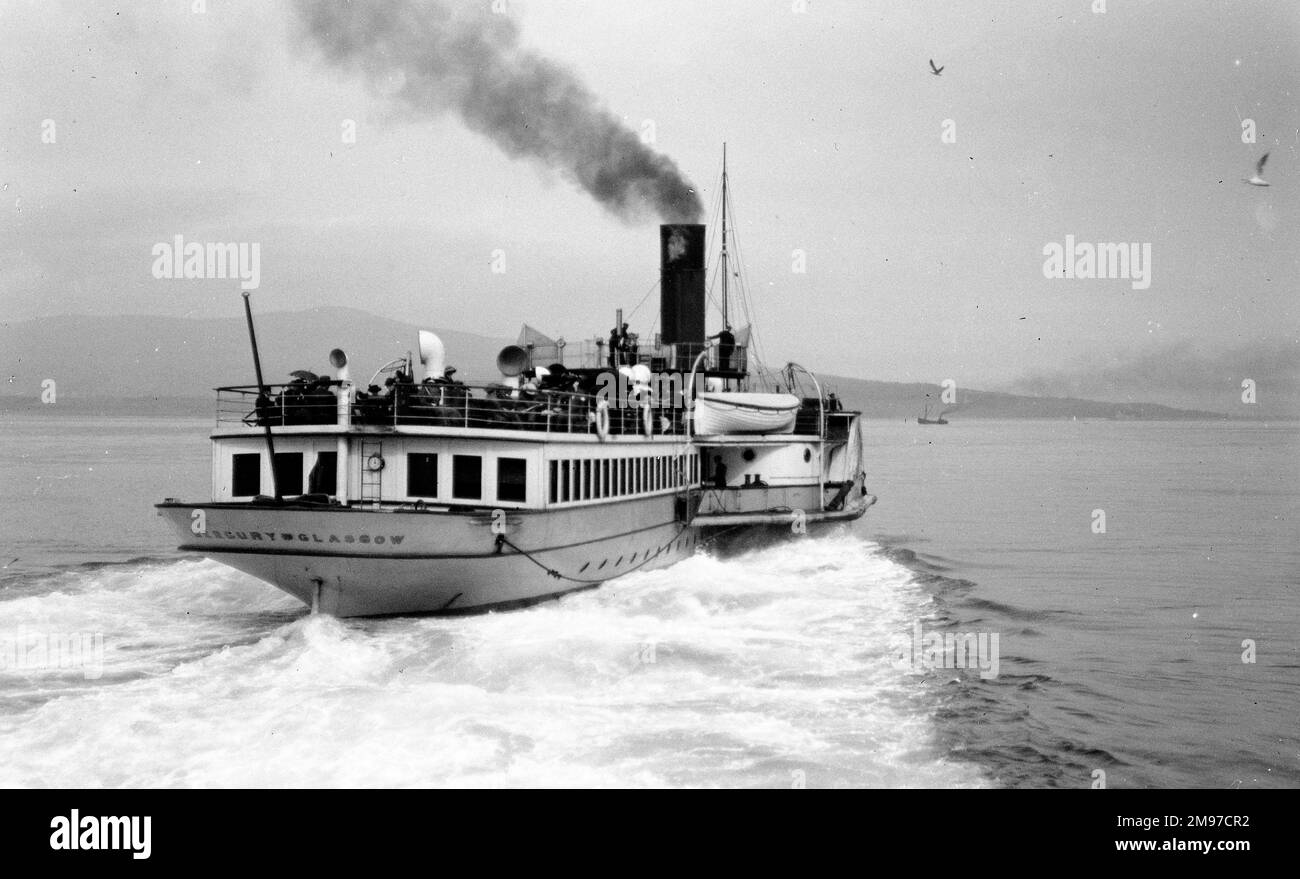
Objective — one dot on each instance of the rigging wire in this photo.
(755, 348)
(632, 313)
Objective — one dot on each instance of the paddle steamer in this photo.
(427, 495)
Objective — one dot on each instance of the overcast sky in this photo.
(924, 259)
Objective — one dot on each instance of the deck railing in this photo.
(659, 357)
(441, 404)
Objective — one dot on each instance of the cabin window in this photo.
(467, 477)
(246, 475)
(604, 476)
(422, 474)
(288, 472)
(554, 489)
(586, 480)
(564, 480)
(323, 476)
(512, 479)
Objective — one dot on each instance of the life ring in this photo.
(602, 419)
(647, 420)
(375, 463)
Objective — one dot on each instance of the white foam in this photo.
(739, 672)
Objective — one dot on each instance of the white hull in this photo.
(362, 562)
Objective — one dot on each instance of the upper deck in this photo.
(330, 406)
(618, 411)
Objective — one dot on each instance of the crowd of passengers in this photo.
(558, 399)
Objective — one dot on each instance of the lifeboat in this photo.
(736, 412)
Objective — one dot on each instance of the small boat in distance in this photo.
(924, 418)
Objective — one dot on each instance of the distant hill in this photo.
(170, 365)
(897, 401)
(129, 356)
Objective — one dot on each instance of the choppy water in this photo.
(773, 667)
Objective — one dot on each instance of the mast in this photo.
(263, 394)
(725, 320)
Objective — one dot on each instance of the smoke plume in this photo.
(438, 56)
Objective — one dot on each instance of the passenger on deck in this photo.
(719, 472)
(726, 345)
(626, 347)
(265, 409)
(556, 379)
(615, 347)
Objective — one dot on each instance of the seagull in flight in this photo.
(937, 71)
(1258, 180)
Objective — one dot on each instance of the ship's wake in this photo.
(771, 668)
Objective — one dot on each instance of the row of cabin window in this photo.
(421, 475)
(595, 478)
(246, 473)
(466, 477)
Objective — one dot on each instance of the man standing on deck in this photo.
(726, 345)
(719, 472)
(627, 351)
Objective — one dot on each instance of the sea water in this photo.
(1120, 656)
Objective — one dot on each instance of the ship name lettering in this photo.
(377, 540)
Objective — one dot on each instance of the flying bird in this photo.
(937, 71)
(1257, 180)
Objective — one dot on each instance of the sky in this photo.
(871, 245)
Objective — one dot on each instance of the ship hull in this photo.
(352, 562)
